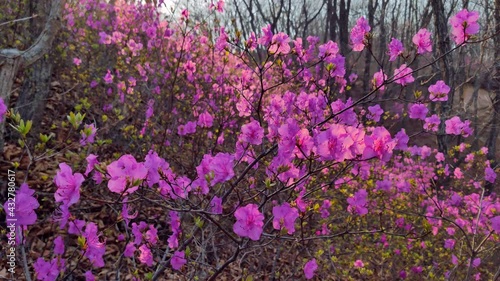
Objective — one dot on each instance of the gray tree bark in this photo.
(35, 89)
(493, 137)
(12, 60)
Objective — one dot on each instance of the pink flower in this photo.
(379, 144)
(25, 205)
(205, 120)
(403, 75)
(449, 244)
(279, 44)
(187, 129)
(375, 112)
(423, 41)
(145, 256)
(353, 77)
(154, 164)
(476, 262)
(285, 215)
(358, 33)
(432, 123)
(91, 162)
(455, 126)
(125, 172)
(267, 36)
(489, 174)
(222, 166)
(439, 91)
(309, 268)
(357, 203)
(95, 249)
(219, 6)
(221, 42)
(108, 79)
(401, 139)
(463, 25)
(378, 80)
(68, 185)
(249, 222)
(77, 61)
(216, 205)
(495, 224)
(418, 111)
(252, 133)
(328, 49)
(359, 264)
(89, 276)
(3, 109)
(59, 245)
(88, 134)
(48, 271)
(175, 225)
(334, 143)
(396, 48)
(178, 260)
(129, 250)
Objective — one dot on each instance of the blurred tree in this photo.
(11, 60)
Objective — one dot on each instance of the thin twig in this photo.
(18, 20)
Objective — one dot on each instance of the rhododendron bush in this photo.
(195, 154)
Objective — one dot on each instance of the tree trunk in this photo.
(344, 26)
(495, 124)
(14, 59)
(36, 86)
(372, 7)
(443, 43)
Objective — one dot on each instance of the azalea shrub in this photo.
(194, 154)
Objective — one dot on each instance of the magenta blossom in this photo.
(95, 248)
(25, 205)
(375, 112)
(403, 75)
(463, 25)
(178, 260)
(378, 80)
(495, 224)
(48, 271)
(216, 205)
(91, 162)
(252, 133)
(357, 203)
(455, 126)
(358, 33)
(68, 185)
(249, 222)
(309, 268)
(439, 91)
(285, 216)
(359, 264)
(108, 78)
(125, 172)
(88, 134)
(379, 144)
(145, 256)
(432, 123)
(489, 174)
(205, 120)
(418, 111)
(279, 44)
(423, 41)
(89, 276)
(3, 109)
(396, 48)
